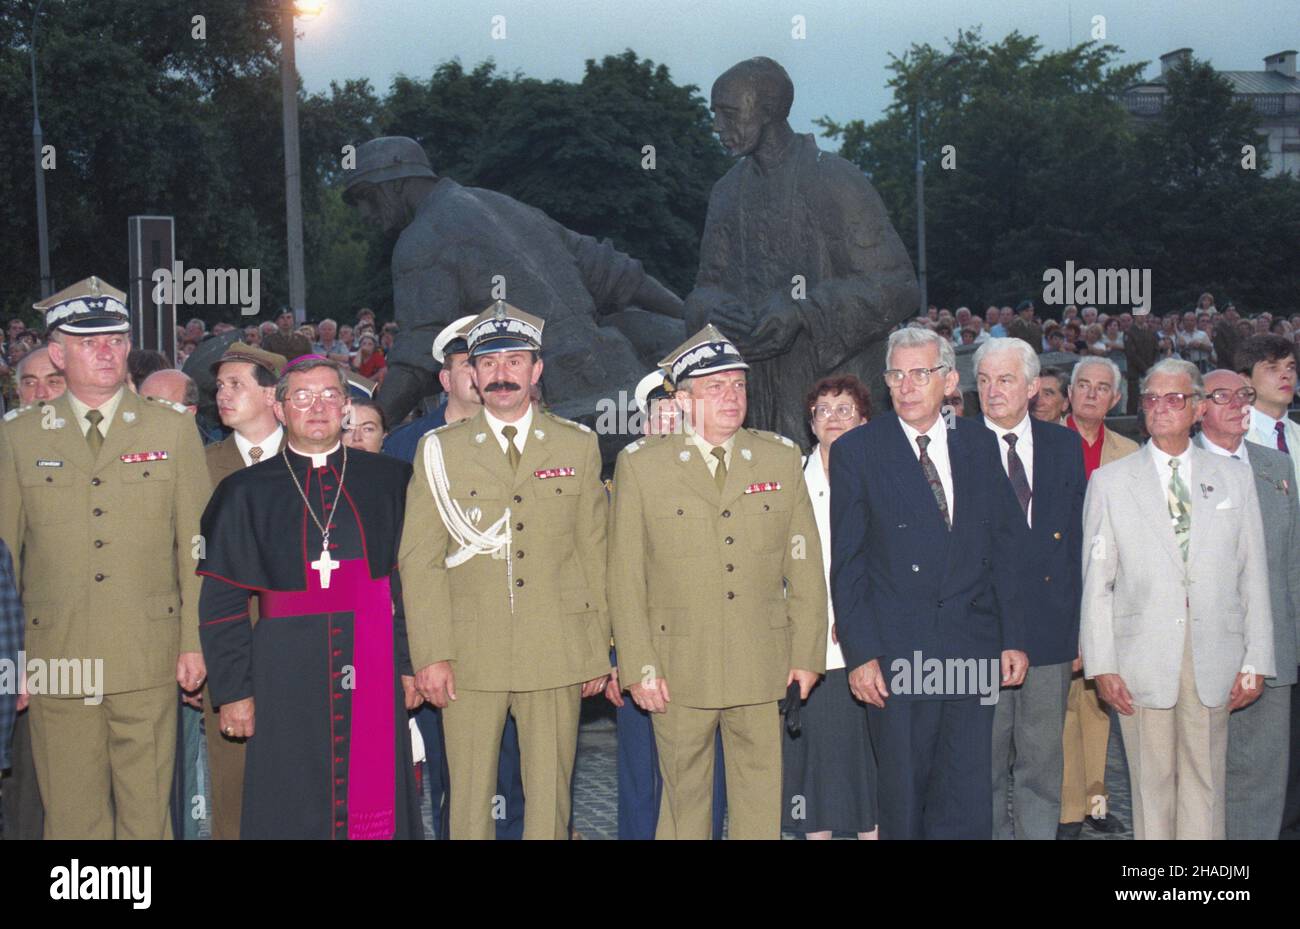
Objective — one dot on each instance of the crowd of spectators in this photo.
(362, 345)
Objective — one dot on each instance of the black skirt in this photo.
(829, 770)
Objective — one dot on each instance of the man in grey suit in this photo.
(1259, 735)
(1177, 629)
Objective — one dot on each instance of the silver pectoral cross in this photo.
(324, 566)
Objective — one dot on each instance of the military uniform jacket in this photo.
(105, 544)
(721, 594)
(530, 618)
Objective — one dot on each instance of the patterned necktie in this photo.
(1016, 471)
(932, 475)
(1280, 429)
(255, 453)
(1180, 508)
(512, 450)
(94, 437)
(720, 472)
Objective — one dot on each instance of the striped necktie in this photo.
(1280, 429)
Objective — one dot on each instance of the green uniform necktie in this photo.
(512, 451)
(1180, 508)
(720, 472)
(94, 437)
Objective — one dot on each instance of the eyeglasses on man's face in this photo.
(1168, 401)
(303, 399)
(918, 376)
(1242, 395)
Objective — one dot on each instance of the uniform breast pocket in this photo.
(557, 502)
(677, 529)
(767, 524)
(46, 496)
(147, 488)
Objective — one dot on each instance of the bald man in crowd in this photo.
(38, 380)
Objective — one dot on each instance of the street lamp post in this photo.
(292, 185)
(42, 226)
(920, 184)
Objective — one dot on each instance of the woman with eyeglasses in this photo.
(829, 768)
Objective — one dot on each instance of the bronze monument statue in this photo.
(462, 248)
(799, 264)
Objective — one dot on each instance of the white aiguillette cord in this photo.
(324, 565)
(472, 541)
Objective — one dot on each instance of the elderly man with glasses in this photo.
(1177, 626)
(924, 553)
(1259, 742)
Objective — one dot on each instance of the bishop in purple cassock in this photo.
(313, 533)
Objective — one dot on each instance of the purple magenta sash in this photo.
(372, 763)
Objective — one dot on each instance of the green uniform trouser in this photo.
(751, 743)
(105, 771)
(547, 721)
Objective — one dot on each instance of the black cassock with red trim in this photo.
(330, 755)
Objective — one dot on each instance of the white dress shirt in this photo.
(522, 424)
(1024, 451)
(938, 452)
(819, 489)
(1164, 472)
(1238, 452)
(108, 408)
(270, 446)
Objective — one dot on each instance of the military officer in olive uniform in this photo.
(717, 593)
(503, 574)
(100, 498)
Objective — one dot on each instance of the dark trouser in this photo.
(510, 782)
(640, 785)
(24, 816)
(934, 761)
(1291, 810)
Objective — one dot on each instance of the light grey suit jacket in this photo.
(1280, 508)
(1137, 592)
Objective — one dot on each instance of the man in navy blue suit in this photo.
(1043, 463)
(924, 543)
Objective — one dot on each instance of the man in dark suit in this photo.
(245, 378)
(924, 549)
(1044, 466)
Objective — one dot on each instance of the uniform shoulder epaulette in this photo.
(633, 446)
(566, 422)
(17, 411)
(773, 436)
(159, 401)
(445, 426)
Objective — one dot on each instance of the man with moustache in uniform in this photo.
(503, 553)
(718, 595)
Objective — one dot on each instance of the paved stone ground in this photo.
(595, 788)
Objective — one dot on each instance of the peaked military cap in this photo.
(504, 328)
(88, 307)
(706, 352)
(451, 341)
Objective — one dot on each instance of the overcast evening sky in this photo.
(838, 70)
